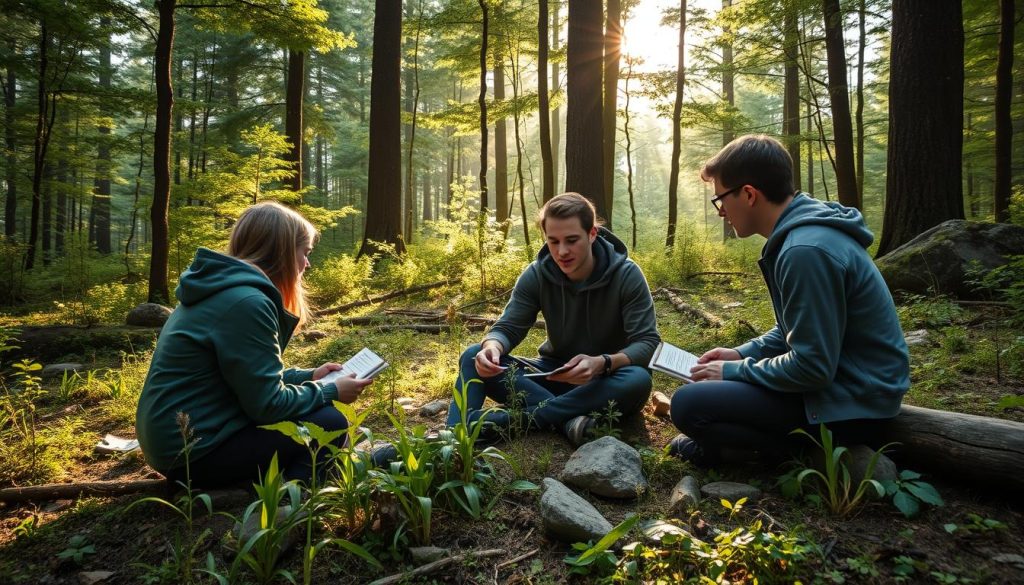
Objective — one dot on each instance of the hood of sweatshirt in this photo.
(804, 210)
(609, 255)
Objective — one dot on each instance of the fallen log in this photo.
(69, 491)
(381, 298)
(680, 305)
(974, 449)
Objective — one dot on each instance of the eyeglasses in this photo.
(717, 199)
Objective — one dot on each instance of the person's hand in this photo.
(579, 370)
(707, 371)
(719, 353)
(350, 387)
(487, 361)
(325, 369)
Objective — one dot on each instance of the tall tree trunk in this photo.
(729, 95)
(162, 153)
(47, 218)
(520, 178)
(179, 124)
(384, 176)
(923, 186)
(10, 100)
(629, 152)
(677, 131)
(810, 156)
(861, 46)
(556, 114)
(1004, 99)
(412, 92)
(42, 140)
(428, 210)
(192, 118)
(61, 219)
(791, 99)
(321, 182)
(612, 53)
(547, 170)
(293, 123)
(500, 135)
(584, 153)
(839, 99)
(101, 188)
(482, 102)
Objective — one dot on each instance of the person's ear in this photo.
(593, 233)
(752, 194)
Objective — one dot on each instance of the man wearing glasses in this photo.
(836, 354)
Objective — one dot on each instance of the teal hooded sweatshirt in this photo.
(218, 359)
(837, 338)
(611, 311)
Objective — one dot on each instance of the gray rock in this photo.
(568, 516)
(422, 555)
(228, 499)
(243, 532)
(434, 408)
(685, 495)
(655, 530)
(148, 315)
(57, 370)
(1010, 559)
(916, 337)
(607, 467)
(730, 490)
(939, 259)
(856, 460)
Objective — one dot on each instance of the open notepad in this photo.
(673, 361)
(365, 364)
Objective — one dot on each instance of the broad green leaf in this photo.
(925, 492)
(906, 503)
(291, 430)
(608, 540)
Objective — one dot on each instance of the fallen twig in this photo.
(515, 560)
(475, 303)
(438, 564)
(707, 318)
(712, 273)
(391, 295)
(68, 491)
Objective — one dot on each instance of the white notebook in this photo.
(673, 361)
(365, 364)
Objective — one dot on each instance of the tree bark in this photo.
(547, 170)
(158, 292)
(924, 168)
(1004, 99)
(42, 141)
(101, 193)
(293, 122)
(612, 53)
(791, 97)
(556, 114)
(10, 135)
(729, 95)
(584, 153)
(500, 135)
(861, 46)
(482, 103)
(839, 99)
(412, 92)
(384, 176)
(677, 131)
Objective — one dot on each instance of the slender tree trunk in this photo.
(47, 218)
(520, 178)
(482, 102)
(10, 99)
(677, 109)
(61, 219)
(179, 124)
(791, 99)
(158, 292)
(923, 175)
(970, 196)
(1004, 101)
(207, 105)
(556, 114)
(861, 46)
(839, 99)
(810, 156)
(412, 78)
(101, 189)
(42, 140)
(384, 176)
(547, 170)
(584, 152)
(320, 180)
(428, 209)
(729, 94)
(293, 122)
(612, 53)
(500, 136)
(629, 152)
(192, 118)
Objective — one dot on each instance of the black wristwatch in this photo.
(607, 364)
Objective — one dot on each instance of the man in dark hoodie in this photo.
(836, 354)
(600, 324)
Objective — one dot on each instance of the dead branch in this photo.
(515, 560)
(494, 298)
(426, 321)
(712, 273)
(966, 303)
(68, 491)
(438, 564)
(381, 298)
(707, 318)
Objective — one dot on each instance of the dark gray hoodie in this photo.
(611, 311)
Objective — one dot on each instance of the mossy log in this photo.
(987, 452)
(70, 491)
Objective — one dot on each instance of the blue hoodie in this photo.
(837, 338)
(611, 311)
(218, 359)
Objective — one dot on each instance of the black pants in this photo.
(247, 453)
(731, 420)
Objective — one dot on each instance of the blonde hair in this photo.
(268, 236)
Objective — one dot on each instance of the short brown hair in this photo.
(756, 160)
(569, 205)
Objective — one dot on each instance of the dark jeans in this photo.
(548, 404)
(731, 420)
(247, 453)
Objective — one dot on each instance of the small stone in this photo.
(224, 499)
(409, 409)
(313, 335)
(916, 337)
(92, 577)
(1010, 559)
(662, 404)
(607, 467)
(433, 408)
(58, 370)
(57, 506)
(857, 459)
(148, 315)
(655, 530)
(404, 400)
(731, 491)
(732, 305)
(243, 532)
(422, 555)
(568, 516)
(685, 495)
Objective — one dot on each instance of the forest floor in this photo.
(973, 538)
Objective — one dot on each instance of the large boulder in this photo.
(148, 315)
(607, 467)
(940, 259)
(569, 517)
